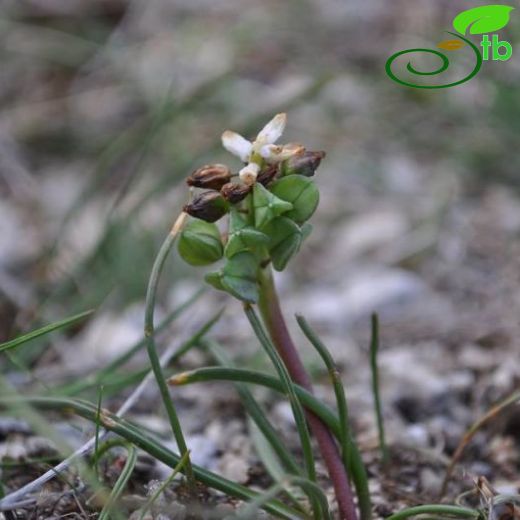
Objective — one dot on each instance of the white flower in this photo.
(262, 148)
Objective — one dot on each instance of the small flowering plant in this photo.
(269, 202)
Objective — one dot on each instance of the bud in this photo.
(208, 206)
(305, 164)
(267, 175)
(200, 243)
(211, 176)
(235, 193)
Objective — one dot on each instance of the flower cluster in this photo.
(263, 148)
(269, 201)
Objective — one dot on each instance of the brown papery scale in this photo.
(305, 164)
(209, 206)
(267, 174)
(235, 193)
(211, 176)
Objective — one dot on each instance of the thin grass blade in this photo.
(436, 509)
(374, 349)
(120, 484)
(136, 435)
(256, 413)
(296, 406)
(104, 375)
(149, 334)
(250, 511)
(151, 501)
(25, 338)
(274, 455)
(202, 375)
(349, 448)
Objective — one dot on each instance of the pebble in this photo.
(431, 481)
(234, 467)
(417, 435)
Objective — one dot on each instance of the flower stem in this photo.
(149, 333)
(273, 318)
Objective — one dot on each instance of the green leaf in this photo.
(236, 221)
(267, 206)
(215, 279)
(301, 192)
(200, 243)
(239, 277)
(286, 238)
(247, 239)
(67, 322)
(243, 237)
(483, 19)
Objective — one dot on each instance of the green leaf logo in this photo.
(481, 20)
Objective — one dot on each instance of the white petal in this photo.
(273, 153)
(272, 131)
(237, 145)
(249, 173)
(270, 151)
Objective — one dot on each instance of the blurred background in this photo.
(107, 105)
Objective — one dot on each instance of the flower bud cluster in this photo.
(269, 202)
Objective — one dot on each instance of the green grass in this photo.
(30, 336)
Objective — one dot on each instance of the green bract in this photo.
(238, 277)
(306, 230)
(301, 192)
(243, 237)
(285, 240)
(199, 243)
(215, 279)
(247, 239)
(267, 206)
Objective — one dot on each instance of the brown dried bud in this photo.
(235, 192)
(211, 176)
(305, 164)
(267, 175)
(208, 206)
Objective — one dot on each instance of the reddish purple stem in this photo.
(275, 323)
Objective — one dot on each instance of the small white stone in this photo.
(417, 435)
